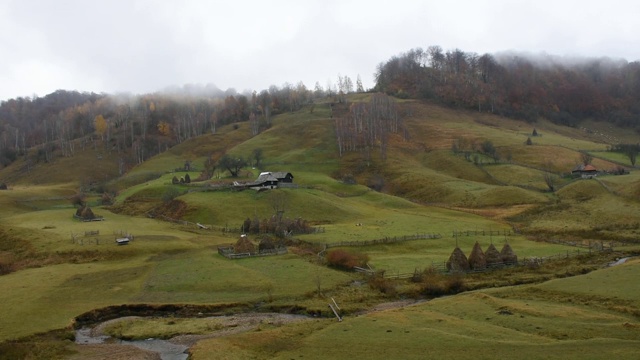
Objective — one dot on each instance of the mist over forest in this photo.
(566, 91)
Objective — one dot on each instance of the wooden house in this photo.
(282, 176)
(267, 180)
(585, 171)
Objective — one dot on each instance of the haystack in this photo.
(244, 245)
(457, 261)
(508, 256)
(477, 260)
(493, 257)
(86, 213)
(266, 244)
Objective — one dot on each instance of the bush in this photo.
(385, 286)
(435, 284)
(345, 260)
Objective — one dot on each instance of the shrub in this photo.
(343, 259)
(385, 286)
(435, 284)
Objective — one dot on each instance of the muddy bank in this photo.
(96, 343)
(150, 310)
(97, 316)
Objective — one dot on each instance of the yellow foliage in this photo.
(164, 128)
(100, 124)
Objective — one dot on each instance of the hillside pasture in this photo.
(531, 321)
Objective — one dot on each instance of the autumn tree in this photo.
(164, 128)
(100, 125)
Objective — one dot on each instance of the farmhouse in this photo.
(283, 177)
(267, 180)
(585, 171)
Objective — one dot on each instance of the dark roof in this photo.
(281, 174)
(266, 177)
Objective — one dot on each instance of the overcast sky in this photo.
(142, 46)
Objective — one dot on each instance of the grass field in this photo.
(559, 319)
(54, 272)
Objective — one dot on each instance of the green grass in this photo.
(162, 328)
(208, 277)
(424, 187)
(483, 324)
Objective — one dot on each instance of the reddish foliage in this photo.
(346, 260)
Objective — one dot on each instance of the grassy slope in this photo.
(565, 318)
(168, 264)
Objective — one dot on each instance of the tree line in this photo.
(518, 86)
(367, 125)
(137, 127)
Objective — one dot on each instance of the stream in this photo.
(619, 262)
(166, 349)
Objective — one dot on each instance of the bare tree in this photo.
(586, 158)
(257, 156)
(278, 202)
(549, 179)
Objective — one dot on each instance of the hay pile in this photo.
(244, 245)
(86, 213)
(457, 261)
(493, 256)
(477, 259)
(266, 244)
(508, 256)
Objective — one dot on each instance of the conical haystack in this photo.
(477, 259)
(493, 257)
(244, 245)
(266, 244)
(508, 256)
(457, 261)
(85, 213)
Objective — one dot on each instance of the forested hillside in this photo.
(133, 128)
(523, 86)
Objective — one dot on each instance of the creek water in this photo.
(166, 349)
(619, 262)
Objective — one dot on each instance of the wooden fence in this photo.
(385, 240)
(228, 252)
(533, 261)
(483, 233)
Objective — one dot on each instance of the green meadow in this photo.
(55, 268)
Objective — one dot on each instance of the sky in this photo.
(143, 46)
